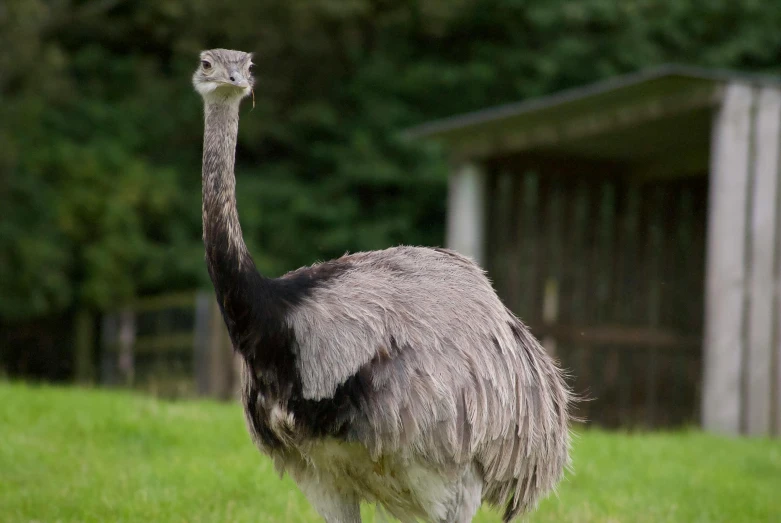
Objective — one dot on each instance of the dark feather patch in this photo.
(257, 418)
(348, 407)
(254, 309)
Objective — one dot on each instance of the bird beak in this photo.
(238, 80)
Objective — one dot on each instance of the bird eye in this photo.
(206, 64)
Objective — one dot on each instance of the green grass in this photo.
(69, 454)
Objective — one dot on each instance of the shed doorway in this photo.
(609, 273)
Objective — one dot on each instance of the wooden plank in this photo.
(687, 311)
(163, 343)
(691, 256)
(624, 290)
(603, 269)
(654, 256)
(163, 301)
(579, 263)
(627, 311)
(567, 253)
(530, 225)
(726, 270)
(764, 238)
(607, 334)
(578, 268)
(685, 261)
(604, 258)
(515, 242)
(555, 237)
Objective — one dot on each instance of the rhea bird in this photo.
(395, 377)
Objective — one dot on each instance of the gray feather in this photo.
(478, 386)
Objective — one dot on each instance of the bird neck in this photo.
(227, 256)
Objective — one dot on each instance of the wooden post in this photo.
(466, 211)
(220, 361)
(763, 242)
(725, 266)
(127, 341)
(84, 370)
(108, 349)
(214, 367)
(201, 339)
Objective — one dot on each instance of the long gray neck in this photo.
(226, 251)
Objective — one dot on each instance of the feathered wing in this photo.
(443, 369)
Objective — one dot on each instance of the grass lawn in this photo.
(69, 454)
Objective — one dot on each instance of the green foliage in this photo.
(101, 132)
(91, 455)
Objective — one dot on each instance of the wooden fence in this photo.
(172, 345)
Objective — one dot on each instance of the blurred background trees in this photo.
(100, 130)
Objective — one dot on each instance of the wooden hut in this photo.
(634, 225)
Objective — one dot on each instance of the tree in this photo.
(101, 131)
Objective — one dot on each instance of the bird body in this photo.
(396, 376)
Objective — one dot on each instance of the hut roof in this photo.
(625, 118)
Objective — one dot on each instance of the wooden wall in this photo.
(610, 274)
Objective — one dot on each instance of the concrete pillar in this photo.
(466, 211)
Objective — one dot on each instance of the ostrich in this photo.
(395, 377)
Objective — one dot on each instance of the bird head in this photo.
(224, 75)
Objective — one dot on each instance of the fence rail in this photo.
(173, 345)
